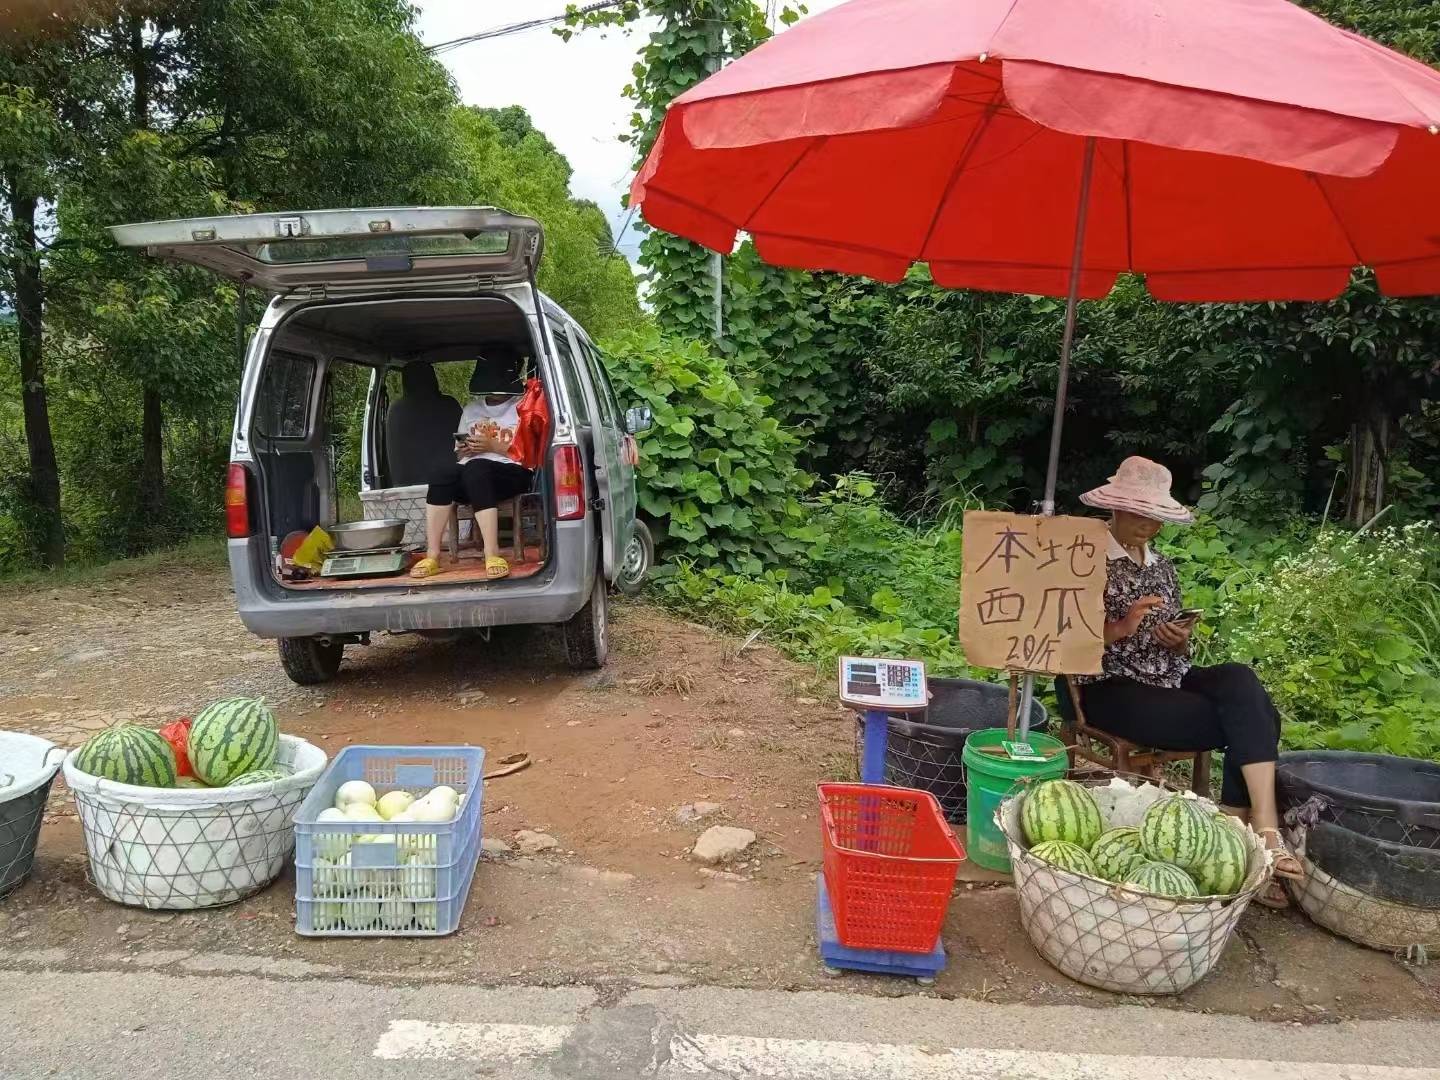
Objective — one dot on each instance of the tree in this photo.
(231, 106)
(49, 75)
(527, 175)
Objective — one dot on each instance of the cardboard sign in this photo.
(1032, 597)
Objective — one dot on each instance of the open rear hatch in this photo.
(338, 249)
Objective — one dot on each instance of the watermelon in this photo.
(1176, 830)
(128, 754)
(1066, 856)
(231, 738)
(260, 776)
(1061, 810)
(1222, 871)
(190, 782)
(1117, 852)
(1161, 879)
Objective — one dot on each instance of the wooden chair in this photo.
(509, 511)
(1120, 755)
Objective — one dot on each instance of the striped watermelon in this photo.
(1161, 879)
(1066, 856)
(1222, 871)
(1176, 830)
(231, 738)
(260, 776)
(1117, 852)
(1061, 810)
(128, 754)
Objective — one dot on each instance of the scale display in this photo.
(882, 684)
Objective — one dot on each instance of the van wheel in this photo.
(639, 558)
(309, 660)
(587, 632)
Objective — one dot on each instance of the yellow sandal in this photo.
(426, 567)
(496, 567)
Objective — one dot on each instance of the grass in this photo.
(667, 682)
(199, 553)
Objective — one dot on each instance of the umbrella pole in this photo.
(1052, 468)
(1047, 507)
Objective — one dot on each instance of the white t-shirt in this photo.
(505, 417)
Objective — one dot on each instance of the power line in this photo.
(516, 28)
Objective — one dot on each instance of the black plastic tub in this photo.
(923, 750)
(1379, 796)
(1399, 872)
(19, 832)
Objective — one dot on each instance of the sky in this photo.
(571, 89)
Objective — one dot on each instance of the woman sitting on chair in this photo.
(483, 474)
(1150, 693)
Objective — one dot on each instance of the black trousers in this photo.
(1216, 708)
(480, 483)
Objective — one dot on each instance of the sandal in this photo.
(1274, 896)
(426, 567)
(496, 567)
(1283, 856)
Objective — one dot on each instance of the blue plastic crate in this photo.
(389, 879)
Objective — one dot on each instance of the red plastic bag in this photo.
(178, 736)
(532, 428)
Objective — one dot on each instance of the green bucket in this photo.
(992, 777)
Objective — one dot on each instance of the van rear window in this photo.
(338, 248)
(283, 411)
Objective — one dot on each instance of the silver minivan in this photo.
(366, 305)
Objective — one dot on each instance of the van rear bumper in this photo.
(269, 610)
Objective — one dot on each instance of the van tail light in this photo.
(237, 501)
(569, 476)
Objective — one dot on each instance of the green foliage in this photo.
(866, 584)
(716, 468)
(693, 38)
(503, 161)
(1343, 629)
(1345, 632)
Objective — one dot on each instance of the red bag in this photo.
(532, 428)
(178, 736)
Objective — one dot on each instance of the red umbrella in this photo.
(1226, 149)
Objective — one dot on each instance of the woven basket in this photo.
(1364, 919)
(1117, 939)
(405, 504)
(178, 849)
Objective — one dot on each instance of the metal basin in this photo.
(365, 535)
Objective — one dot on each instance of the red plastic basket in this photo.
(890, 865)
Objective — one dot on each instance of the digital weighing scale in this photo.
(876, 688)
(373, 562)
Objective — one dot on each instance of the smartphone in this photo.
(460, 437)
(1188, 616)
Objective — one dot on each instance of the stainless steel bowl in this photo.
(365, 535)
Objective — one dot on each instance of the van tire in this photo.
(587, 632)
(310, 661)
(636, 560)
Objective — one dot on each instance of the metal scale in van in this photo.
(356, 295)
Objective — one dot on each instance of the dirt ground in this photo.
(681, 715)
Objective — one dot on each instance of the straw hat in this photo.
(1142, 487)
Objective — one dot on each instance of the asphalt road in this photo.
(140, 1025)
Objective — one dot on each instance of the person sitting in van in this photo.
(483, 475)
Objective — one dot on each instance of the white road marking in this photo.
(805, 1059)
(421, 1040)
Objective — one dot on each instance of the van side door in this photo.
(604, 448)
(622, 492)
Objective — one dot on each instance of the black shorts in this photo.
(480, 483)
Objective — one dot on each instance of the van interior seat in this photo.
(420, 427)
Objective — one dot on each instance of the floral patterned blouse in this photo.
(1140, 656)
